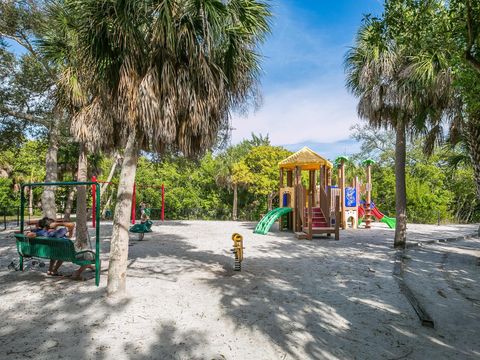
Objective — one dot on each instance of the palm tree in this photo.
(398, 89)
(166, 75)
(59, 45)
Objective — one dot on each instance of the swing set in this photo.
(96, 204)
(134, 200)
(58, 248)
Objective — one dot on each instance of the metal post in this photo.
(368, 205)
(22, 217)
(18, 215)
(163, 202)
(134, 202)
(4, 219)
(97, 236)
(94, 201)
(342, 196)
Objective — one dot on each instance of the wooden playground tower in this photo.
(315, 209)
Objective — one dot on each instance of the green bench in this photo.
(57, 249)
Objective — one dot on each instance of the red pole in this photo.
(94, 202)
(163, 202)
(134, 200)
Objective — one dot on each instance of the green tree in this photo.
(262, 163)
(225, 174)
(398, 85)
(168, 73)
(28, 77)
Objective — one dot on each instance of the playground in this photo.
(292, 300)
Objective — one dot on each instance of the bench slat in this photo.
(50, 248)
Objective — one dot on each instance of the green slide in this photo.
(268, 220)
(391, 222)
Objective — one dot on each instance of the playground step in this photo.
(315, 231)
(316, 216)
(317, 223)
(318, 219)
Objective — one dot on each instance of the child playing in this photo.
(145, 224)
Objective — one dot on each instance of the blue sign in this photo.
(350, 197)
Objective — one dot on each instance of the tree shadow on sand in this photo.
(49, 319)
(318, 299)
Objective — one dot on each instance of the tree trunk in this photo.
(235, 202)
(400, 186)
(30, 202)
(69, 204)
(117, 269)
(270, 198)
(82, 218)
(51, 165)
(107, 206)
(116, 161)
(472, 135)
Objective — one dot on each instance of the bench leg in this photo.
(21, 263)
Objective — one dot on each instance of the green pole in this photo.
(22, 218)
(22, 208)
(97, 235)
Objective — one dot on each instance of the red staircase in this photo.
(318, 219)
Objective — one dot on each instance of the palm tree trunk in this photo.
(107, 206)
(270, 198)
(400, 186)
(235, 202)
(51, 164)
(67, 213)
(117, 269)
(473, 142)
(104, 186)
(82, 230)
(30, 202)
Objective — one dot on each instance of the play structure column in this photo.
(368, 202)
(342, 191)
(298, 216)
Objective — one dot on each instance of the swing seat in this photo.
(56, 249)
(142, 228)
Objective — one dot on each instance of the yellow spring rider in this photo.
(237, 251)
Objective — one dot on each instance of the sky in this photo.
(304, 100)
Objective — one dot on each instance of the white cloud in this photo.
(304, 96)
(320, 112)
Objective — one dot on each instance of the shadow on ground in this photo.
(318, 299)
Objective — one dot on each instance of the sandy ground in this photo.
(293, 299)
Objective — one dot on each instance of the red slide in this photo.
(377, 213)
(361, 212)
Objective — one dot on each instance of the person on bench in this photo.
(47, 227)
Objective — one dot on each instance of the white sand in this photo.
(294, 299)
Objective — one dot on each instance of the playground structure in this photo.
(307, 211)
(353, 209)
(320, 207)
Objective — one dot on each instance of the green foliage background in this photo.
(202, 189)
